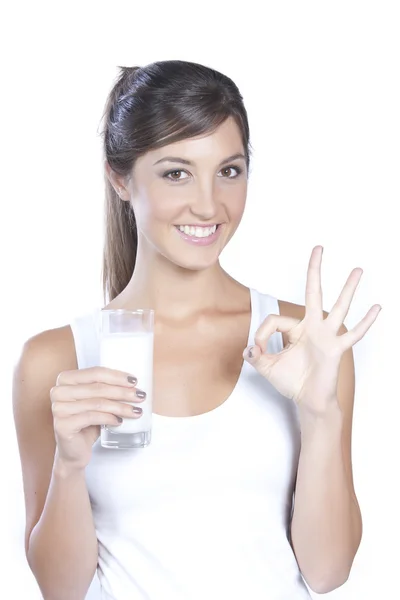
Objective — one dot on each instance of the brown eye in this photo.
(169, 174)
(175, 175)
(237, 169)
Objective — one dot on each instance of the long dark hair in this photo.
(147, 108)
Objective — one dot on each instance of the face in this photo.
(205, 191)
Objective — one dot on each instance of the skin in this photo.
(171, 275)
(201, 330)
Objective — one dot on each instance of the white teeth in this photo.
(197, 231)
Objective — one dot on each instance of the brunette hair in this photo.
(147, 108)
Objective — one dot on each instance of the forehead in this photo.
(223, 141)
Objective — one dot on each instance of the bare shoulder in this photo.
(42, 358)
(42, 355)
(52, 340)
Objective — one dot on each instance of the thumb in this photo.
(252, 354)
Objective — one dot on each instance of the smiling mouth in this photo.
(200, 226)
(203, 231)
(201, 236)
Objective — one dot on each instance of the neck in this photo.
(175, 292)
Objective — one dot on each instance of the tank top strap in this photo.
(85, 332)
(264, 305)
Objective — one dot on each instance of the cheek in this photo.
(163, 206)
(163, 211)
(153, 206)
(235, 203)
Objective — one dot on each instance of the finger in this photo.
(313, 304)
(270, 325)
(65, 427)
(357, 333)
(94, 375)
(343, 303)
(69, 393)
(104, 405)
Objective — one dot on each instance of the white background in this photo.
(320, 81)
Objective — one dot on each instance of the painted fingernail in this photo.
(140, 394)
(137, 410)
(132, 380)
(250, 352)
(120, 419)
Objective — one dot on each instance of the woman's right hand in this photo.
(81, 401)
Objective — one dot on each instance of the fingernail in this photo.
(132, 380)
(120, 419)
(250, 352)
(137, 410)
(140, 394)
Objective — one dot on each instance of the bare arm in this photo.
(326, 527)
(62, 549)
(60, 540)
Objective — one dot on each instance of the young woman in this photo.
(247, 489)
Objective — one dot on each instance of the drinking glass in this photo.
(126, 344)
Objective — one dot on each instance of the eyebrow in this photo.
(188, 162)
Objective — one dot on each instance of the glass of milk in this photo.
(126, 344)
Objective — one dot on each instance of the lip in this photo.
(200, 241)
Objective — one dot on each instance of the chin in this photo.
(185, 261)
(193, 265)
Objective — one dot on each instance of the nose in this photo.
(204, 204)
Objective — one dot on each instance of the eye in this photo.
(237, 169)
(168, 174)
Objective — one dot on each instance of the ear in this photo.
(117, 181)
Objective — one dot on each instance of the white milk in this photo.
(132, 352)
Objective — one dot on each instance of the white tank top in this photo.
(203, 512)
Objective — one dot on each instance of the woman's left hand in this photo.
(307, 369)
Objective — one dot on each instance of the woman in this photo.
(207, 511)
